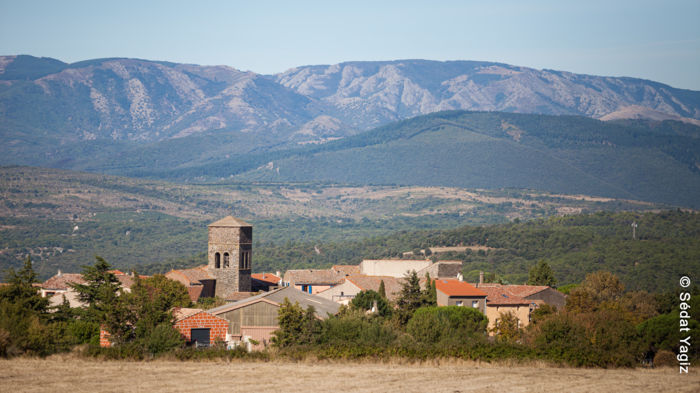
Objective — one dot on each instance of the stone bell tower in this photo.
(230, 255)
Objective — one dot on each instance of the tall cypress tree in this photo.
(382, 290)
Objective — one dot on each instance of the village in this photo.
(252, 301)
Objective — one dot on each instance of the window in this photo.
(217, 260)
(244, 262)
(475, 303)
(226, 259)
(459, 303)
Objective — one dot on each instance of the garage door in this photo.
(201, 337)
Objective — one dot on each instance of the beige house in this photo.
(499, 300)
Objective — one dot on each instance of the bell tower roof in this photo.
(230, 221)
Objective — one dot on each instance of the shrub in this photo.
(506, 327)
(665, 358)
(600, 338)
(356, 331)
(84, 332)
(434, 324)
(163, 338)
(296, 326)
(365, 301)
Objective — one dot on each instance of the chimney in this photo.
(460, 277)
(59, 273)
(481, 277)
(278, 274)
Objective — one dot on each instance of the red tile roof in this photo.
(457, 288)
(392, 285)
(180, 313)
(516, 290)
(195, 291)
(347, 269)
(500, 296)
(61, 281)
(190, 276)
(236, 296)
(268, 278)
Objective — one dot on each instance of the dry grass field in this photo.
(75, 375)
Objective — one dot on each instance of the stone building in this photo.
(230, 255)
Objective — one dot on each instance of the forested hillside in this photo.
(657, 162)
(667, 246)
(63, 218)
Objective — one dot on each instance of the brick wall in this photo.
(104, 338)
(218, 326)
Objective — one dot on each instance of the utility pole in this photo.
(634, 229)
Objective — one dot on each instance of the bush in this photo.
(355, 331)
(665, 358)
(365, 301)
(84, 332)
(434, 324)
(602, 339)
(162, 339)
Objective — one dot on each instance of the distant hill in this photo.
(651, 161)
(62, 219)
(53, 113)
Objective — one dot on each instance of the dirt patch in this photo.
(78, 375)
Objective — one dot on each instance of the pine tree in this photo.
(100, 291)
(410, 298)
(21, 292)
(541, 274)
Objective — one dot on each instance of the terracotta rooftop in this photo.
(457, 288)
(180, 313)
(314, 276)
(348, 270)
(267, 278)
(195, 291)
(190, 276)
(61, 281)
(230, 221)
(236, 296)
(392, 285)
(500, 296)
(517, 290)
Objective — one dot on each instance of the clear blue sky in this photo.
(657, 40)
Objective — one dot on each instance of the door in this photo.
(200, 337)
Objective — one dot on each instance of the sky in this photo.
(656, 40)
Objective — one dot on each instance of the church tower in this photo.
(230, 255)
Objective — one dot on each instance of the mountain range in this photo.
(145, 101)
(393, 122)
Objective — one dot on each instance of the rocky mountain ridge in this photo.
(44, 100)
